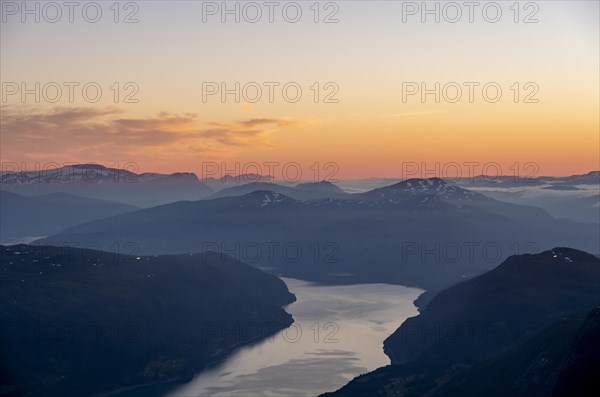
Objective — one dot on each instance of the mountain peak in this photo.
(87, 166)
(431, 186)
(570, 254)
(420, 183)
(93, 173)
(558, 259)
(246, 178)
(320, 186)
(266, 198)
(428, 181)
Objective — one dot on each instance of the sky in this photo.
(154, 72)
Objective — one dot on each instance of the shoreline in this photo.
(219, 358)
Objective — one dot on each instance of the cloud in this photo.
(277, 122)
(80, 131)
(236, 137)
(164, 121)
(413, 113)
(248, 132)
(84, 126)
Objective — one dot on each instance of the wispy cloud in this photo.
(77, 130)
(277, 122)
(248, 132)
(413, 113)
(237, 137)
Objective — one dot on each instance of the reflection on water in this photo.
(338, 334)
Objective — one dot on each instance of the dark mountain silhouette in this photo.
(525, 291)
(78, 322)
(514, 331)
(28, 216)
(561, 360)
(580, 372)
(421, 232)
(98, 181)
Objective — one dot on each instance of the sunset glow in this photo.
(370, 57)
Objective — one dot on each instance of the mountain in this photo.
(91, 173)
(591, 178)
(573, 197)
(522, 293)
(27, 216)
(580, 205)
(501, 181)
(581, 209)
(240, 190)
(363, 185)
(323, 186)
(420, 232)
(98, 181)
(436, 191)
(519, 330)
(580, 372)
(227, 181)
(78, 322)
(511, 181)
(303, 191)
(561, 360)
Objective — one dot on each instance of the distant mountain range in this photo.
(575, 197)
(530, 327)
(177, 292)
(302, 191)
(421, 232)
(32, 217)
(78, 322)
(92, 173)
(506, 181)
(591, 178)
(97, 181)
(228, 181)
(557, 195)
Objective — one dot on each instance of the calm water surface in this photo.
(338, 334)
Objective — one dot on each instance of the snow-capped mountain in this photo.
(97, 181)
(91, 173)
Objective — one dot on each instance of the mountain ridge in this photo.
(509, 331)
(363, 228)
(79, 321)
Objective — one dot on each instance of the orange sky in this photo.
(369, 56)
